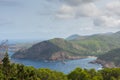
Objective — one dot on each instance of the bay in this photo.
(66, 67)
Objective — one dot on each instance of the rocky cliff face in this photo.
(105, 64)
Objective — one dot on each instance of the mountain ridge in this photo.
(93, 45)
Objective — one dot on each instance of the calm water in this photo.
(59, 66)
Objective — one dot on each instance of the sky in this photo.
(46, 19)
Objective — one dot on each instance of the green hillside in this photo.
(100, 43)
(68, 46)
(58, 48)
(112, 56)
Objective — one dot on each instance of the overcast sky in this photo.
(44, 19)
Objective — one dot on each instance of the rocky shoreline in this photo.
(58, 58)
(104, 64)
(68, 58)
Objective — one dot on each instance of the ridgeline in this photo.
(74, 47)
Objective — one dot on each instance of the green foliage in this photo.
(79, 74)
(110, 73)
(6, 61)
(47, 74)
(72, 48)
(99, 44)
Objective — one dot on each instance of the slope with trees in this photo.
(110, 59)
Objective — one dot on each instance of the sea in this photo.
(66, 67)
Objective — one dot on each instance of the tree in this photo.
(6, 61)
(79, 74)
(6, 66)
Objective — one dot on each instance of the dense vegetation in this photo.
(112, 56)
(11, 71)
(72, 48)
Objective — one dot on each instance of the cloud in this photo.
(111, 17)
(89, 10)
(107, 21)
(83, 10)
(66, 12)
(114, 7)
(76, 9)
(77, 2)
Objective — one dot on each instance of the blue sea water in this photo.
(66, 67)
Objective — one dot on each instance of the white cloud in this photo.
(83, 10)
(66, 12)
(111, 17)
(114, 7)
(89, 10)
(104, 16)
(77, 2)
(65, 9)
(107, 21)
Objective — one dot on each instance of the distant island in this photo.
(73, 47)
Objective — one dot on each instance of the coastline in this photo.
(59, 59)
(104, 64)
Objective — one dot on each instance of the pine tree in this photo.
(6, 61)
(6, 66)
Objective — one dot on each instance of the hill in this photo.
(54, 49)
(100, 43)
(58, 48)
(110, 59)
(72, 37)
